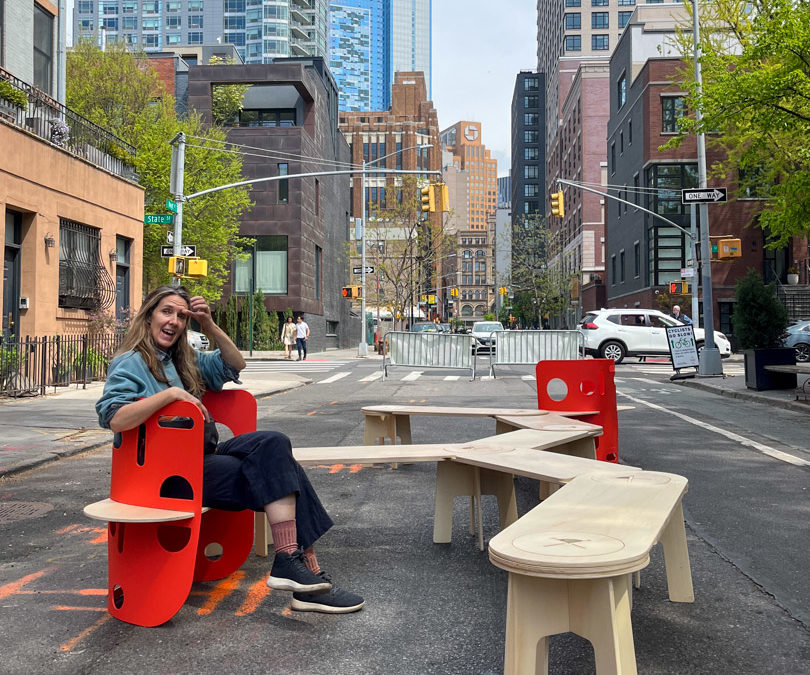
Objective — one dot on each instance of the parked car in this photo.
(198, 340)
(445, 328)
(482, 334)
(616, 333)
(797, 335)
(424, 327)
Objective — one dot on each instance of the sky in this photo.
(479, 47)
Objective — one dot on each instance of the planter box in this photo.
(756, 377)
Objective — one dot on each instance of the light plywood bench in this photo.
(570, 561)
(486, 466)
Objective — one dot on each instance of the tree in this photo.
(756, 103)
(405, 250)
(539, 287)
(226, 99)
(759, 318)
(120, 91)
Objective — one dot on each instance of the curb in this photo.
(746, 396)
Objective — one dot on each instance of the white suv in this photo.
(616, 333)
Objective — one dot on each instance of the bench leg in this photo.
(261, 534)
(596, 609)
(676, 559)
(378, 428)
(402, 428)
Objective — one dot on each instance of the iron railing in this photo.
(49, 119)
(30, 365)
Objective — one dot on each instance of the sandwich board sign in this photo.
(682, 346)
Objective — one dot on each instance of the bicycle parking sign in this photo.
(682, 347)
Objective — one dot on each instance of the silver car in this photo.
(198, 340)
(797, 336)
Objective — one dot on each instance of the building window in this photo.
(318, 271)
(600, 20)
(613, 157)
(530, 119)
(636, 260)
(265, 268)
(621, 142)
(669, 180)
(531, 190)
(195, 5)
(195, 38)
(573, 21)
(613, 269)
(263, 118)
(79, 265)
(531, 171)
(151, 7)
(624, 17)
(600, 43)
(531, 136)
(530, 84)
(621, 265)
(573, 43)
(630, 132)
(636, 190)
(573, 3)
(672, 108)
(599, 3)
(195, 21)
(530, 101)
(122, 248)
(621, 91)
(623, 3)
(173, 6)
(172, 22)
(283, 185)
(43, 49)
(234, 23)
(531, 153)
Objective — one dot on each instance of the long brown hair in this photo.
(139, 339)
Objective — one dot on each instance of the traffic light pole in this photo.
(176, 187)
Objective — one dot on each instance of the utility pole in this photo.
(709, 361)
(178, 171)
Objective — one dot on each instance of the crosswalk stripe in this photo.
(410, 377)
(376, 375)
(451, 378)
(527, 377)
(334, 378)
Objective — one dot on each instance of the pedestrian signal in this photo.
(428, 199)
(351, 292)
(557, 205)
(679, 288)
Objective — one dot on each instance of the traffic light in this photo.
(185, 267)
(352, 292)
(453, 292)
(443, 197)
(557, 205)
(679, 288)
(428, 199)
(502, 290)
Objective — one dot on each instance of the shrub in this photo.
(759, 318)
(13, 95)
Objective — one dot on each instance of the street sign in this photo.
(707, 196)
(172, 206)
(158, 219)
(687, 272)
(168, 251)
(359, 270)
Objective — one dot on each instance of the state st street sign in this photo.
(703, 196)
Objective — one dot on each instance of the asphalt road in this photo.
(431, 608)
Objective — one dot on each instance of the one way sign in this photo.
(168, 251)
(704, 196)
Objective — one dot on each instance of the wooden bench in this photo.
(570, 560)
(787, 383)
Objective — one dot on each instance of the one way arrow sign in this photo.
(168, 251)
(704, 196)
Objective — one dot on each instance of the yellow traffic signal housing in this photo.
(453, 292)
(428, 199)
(443, 197)
(728, 248)
(184, 267)
(679, 288)
(352, 292)
(557, 204)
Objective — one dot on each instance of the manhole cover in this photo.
(11, 511)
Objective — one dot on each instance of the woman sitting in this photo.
(156, 366)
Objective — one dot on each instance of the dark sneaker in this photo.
(334, 601)
(290, 573)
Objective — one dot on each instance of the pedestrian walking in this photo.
(288, 335)
(302, 335)
(156, 366)
(677, 314)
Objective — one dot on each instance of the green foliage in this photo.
(13, 95)
(226, 99)
(759, 318)
(231, 323)
(120, 92)
(756, 103)
(489, 316)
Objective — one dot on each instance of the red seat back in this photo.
(585, 385)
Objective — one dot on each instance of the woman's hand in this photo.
(179, 394)
(199, 310)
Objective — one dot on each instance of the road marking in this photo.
(527, 377)
(374, 376)
(334, 378)
(70, 644)
(759, 447)
(410, 377)
(451, 378)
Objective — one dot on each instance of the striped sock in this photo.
(311, 561)
(285, 537)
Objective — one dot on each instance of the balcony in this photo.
(26, 107)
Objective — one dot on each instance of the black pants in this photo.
(301, 343)
(251, 470)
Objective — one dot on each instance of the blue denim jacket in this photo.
(129, 379)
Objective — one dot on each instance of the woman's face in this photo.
(168, 321)
(289, 319)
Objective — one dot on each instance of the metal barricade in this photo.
(428, 350)
(527, 347)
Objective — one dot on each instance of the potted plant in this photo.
(759, 319)
(12, 100)
(793, 275)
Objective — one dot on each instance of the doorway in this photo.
(11, 274)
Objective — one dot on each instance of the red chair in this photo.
(588, 388)
(159, 544)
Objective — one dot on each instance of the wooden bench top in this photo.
(117, 512)
(551, 422)
(799, 368)
(372, 454)
(454, 411)
(600, 524)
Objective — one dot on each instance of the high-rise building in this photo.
(411, 31)
(261, 30)
(528, 148)
(359, 53)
